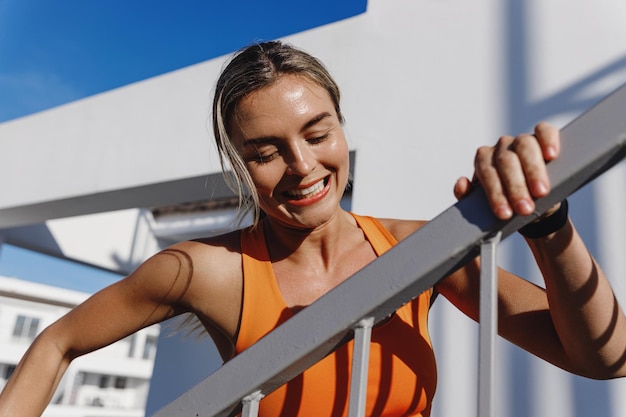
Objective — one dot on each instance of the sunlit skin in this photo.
(291, 138)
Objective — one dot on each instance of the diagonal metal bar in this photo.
(591, 144)
(488, 326)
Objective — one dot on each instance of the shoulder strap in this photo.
(263, 306)
(379, 237)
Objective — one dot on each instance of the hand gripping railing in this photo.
(591, 144)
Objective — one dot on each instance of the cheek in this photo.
(341, 161)
(339, 153)
(264, 178)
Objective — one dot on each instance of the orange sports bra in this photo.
(402, 374)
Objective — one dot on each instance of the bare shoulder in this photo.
(202, 276)
(212, 265)
(401, 229)
(188, 261)
(217, 257)
(198, 277)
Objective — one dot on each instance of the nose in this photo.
(300, 161)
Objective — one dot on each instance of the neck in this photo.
(284, 241)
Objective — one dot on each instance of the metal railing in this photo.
(592, 143)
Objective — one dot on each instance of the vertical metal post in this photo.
(251, 404)
(360, 365)
(488, 326)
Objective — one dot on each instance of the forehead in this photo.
(290, 97)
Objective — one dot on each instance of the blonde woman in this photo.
(279, 127)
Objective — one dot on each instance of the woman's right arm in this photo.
(155, 292)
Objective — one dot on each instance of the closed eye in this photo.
(263, 156)
(318, 139)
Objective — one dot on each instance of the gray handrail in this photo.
(592, 143)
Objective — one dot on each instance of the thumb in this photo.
(462, 187)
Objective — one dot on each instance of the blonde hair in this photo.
(250, 69)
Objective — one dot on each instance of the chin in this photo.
(309, 218)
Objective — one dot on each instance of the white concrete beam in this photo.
(139, 145)
(203, 187)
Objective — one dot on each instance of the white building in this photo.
(113, 381)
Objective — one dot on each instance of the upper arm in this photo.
(523, 311)
(156, 291)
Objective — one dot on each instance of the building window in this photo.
(8, 371)
(132, 344)
(104, 381)
(26, 327)
(149, 349)
(120, 382)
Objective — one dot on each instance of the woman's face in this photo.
(294, 146)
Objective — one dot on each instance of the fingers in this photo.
(549, 139)
(462, 187)
(513, 172)
(535, 182)
(488, 167)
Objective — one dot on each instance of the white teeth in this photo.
(306, 192)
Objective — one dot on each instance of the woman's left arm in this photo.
(585, 314)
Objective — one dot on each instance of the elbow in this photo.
(603, 369)
(609, 373)
(603, 375)
(48, 341)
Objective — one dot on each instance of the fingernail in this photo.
(540, 189)
(551, 152)
(523, 207)
(504, 212)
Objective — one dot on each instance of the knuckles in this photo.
(483, 153)
(505, 158)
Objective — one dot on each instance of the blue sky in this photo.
(55, 52)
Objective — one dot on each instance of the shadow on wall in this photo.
(575, 99)
(172, 378)
(589, 397)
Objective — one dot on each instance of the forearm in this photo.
(585, 312)
(30, 388)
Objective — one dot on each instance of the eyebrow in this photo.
(315, 120)
(307, 125)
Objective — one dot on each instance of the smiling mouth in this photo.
(308, 192)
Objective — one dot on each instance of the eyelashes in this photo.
(318, 139)
(264, 156)
(264, 159)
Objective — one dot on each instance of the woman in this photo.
(278, 125)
